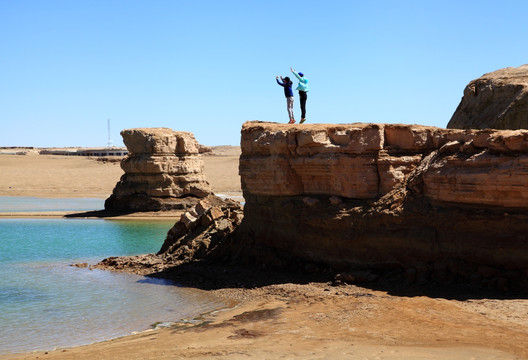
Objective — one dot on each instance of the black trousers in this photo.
(303, 96)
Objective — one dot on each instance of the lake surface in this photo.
(35, 204)
(45, 303)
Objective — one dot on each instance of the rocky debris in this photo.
(496, 100)
(163, 171)
(202, 232)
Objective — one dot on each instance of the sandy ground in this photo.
(287, 320)
(57, 176)
(221, 171)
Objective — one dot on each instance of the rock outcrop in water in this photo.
(497, 100)
(163, 171)
(205, 231)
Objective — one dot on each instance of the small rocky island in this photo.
(163, 171)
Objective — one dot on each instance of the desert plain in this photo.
(298, 318)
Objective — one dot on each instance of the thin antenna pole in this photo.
(109, 139)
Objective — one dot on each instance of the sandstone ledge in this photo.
(439, 202)
(366, 161)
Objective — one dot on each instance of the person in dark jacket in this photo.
(288, 93)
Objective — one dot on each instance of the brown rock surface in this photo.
(358, 161)
(441, 202)
(496, 100)
(470, 167)
(163, 171)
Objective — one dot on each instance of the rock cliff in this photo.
(436, 203)
(497, 100)
(163, 171)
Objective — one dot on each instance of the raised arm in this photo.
(278, 82)
(297, 75)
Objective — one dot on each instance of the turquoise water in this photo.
(32, 204)
(45, 303)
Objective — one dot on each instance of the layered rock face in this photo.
(444, 204)
(497, 100)
(163, 171)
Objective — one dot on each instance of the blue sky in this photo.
(66, 67)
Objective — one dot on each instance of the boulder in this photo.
(164, 170)
(496, 100)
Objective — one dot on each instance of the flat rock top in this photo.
(514, 75)
(154, 130)
(159, 141)
(273, 126)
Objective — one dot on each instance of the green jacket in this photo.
(303, 82)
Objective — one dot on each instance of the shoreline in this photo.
(96, 214)
(180, 324)
(173, 215)
(269, 315)
(67, 215)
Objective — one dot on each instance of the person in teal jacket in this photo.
(302, 87)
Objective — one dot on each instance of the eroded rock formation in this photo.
(163, 171)
(497, 100)
(439, 202)
(407, 202)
